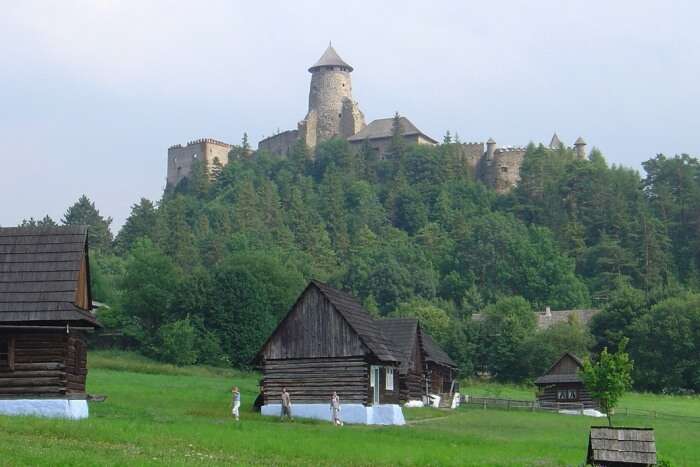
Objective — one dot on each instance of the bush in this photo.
(178, 343)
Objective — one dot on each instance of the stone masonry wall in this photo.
(181, 158)
(330, 89)
(281, 143)
(503, 173)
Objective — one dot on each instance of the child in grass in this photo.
(235, 401)
(286, 405)
(335, 409)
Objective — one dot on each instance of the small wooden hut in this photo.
(621, 447)
(441, 370)
(403, 333)
(328, 342)
(424, 367)
(45, 304)
(562, 384)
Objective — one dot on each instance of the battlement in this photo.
(201, 141)
(511, 149)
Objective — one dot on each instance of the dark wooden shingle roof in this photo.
(39, 269)
(401, 332)
(360, 320)
(433, 352)
(571, 377)
(620, 446)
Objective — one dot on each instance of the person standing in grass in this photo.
(335, 409)
(235, 402)
(286, 405)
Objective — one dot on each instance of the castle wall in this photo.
(503, 172)
(471, 155)
(382, 145)
(181, 158)
(279, 144)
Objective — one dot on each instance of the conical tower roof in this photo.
(330, 58)
(555, 143)
(579, 141)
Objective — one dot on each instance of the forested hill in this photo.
(212, 267)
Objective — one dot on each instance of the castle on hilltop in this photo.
(332, 113)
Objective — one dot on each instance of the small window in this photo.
(7, 360)
(567, 394)
(504, 169)
(389, 379)
(340, 115)
(194, 156)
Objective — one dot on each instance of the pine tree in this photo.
(140, 223)
(84, 212)
(397, 145)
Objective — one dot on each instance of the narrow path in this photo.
(413, 422)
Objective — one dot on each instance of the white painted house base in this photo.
(50, 408)
(385, 414)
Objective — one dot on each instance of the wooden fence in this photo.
(513, 404)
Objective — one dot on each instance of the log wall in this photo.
(412, 383)
(313, 380)
(386, 396)
(548, 394)
(44, 365)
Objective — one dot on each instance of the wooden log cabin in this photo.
(327, 342)
(562, 386)
(424, 367)
(441, 370)
(45, 304)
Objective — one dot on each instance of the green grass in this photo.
(162, 415)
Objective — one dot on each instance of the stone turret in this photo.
(332, 112)
(580, 146)
(490, 149)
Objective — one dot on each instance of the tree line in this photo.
(204, 274)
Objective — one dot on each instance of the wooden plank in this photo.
(44, 381)
(31, 390)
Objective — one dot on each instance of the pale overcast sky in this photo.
(92, 93)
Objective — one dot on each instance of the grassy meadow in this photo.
(163, 415)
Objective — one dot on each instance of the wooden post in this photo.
(508, 405)
(484, 402)
(627, 411)
(11, 353)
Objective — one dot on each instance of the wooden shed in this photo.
(621, 447)
(563, 386)
(441, 370)
(328, 342)
(403, 333)
(424, 367)
(45, 304)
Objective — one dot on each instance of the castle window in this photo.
(504, 169)
(340, 115)
(194, 156)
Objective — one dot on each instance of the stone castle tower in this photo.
(332, 112)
